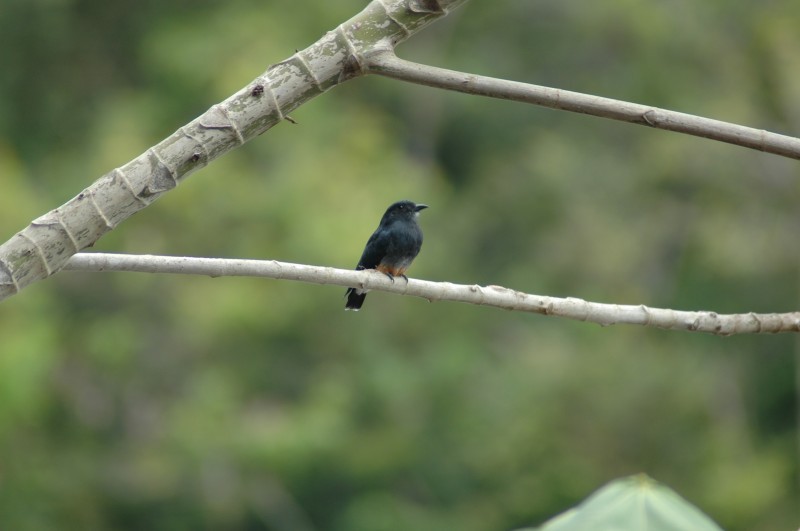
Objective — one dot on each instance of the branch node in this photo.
(650, 118)
(351, 68)
(391, 16)
(39, 252)
(93, 198)
(7, 276)
(267, 84)
(310, 71)
(646, 311)
(425, 6)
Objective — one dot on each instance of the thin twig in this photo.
(496, 296)
(384, 62)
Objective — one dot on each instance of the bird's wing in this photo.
(375, 250)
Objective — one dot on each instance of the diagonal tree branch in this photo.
(44, 246)
(384, 62)
(495, 296)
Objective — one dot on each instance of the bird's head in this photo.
(403, 209)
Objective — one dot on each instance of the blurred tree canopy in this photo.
(153, 402)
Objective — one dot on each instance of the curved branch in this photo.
(384, 62)
(495, 296)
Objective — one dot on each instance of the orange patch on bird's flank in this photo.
(394, 271)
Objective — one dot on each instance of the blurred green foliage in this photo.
(159, 402)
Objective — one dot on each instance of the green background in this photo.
(131, 401)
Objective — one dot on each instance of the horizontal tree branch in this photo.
(495, 296)
(384, 62)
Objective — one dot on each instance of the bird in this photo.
(391, 248)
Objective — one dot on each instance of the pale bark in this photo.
(386, 63)
(495, 296)
(364, 44)
(44, 246)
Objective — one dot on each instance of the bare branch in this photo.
(384, 62)
(42, 248)
(495, 296)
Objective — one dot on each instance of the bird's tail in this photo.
(355, 299)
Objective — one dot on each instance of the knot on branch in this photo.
(425, 6)
(351, 68)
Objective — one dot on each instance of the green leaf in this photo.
(636, 503)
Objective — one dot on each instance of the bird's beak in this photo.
(420, 207)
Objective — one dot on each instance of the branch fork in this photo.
(362, 45)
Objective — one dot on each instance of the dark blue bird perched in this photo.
(391, 248)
